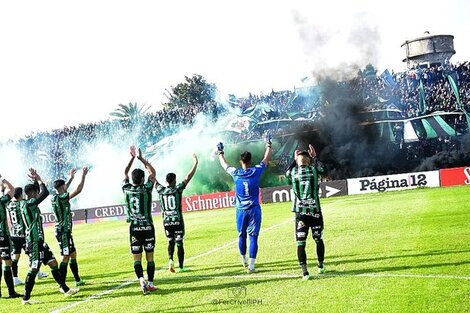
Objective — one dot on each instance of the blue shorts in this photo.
(249, 221)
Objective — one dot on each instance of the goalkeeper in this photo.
(247, 181)
(303, 175)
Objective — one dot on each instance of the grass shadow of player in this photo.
(397, 256)
(202, 284)
(104, 274)
(217, 283)
(273, 266)
(394, 269)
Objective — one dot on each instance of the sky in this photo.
(70, 62)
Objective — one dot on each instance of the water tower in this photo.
(428, 50)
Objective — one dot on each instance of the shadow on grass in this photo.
(394, 269)
(398, 256)
(205, 283)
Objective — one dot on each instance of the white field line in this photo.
(106, 292)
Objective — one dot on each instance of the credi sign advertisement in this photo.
(114, 211)
(285, 193)
(455, 176)
(393, 182)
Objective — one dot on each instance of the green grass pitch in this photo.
(406, 251)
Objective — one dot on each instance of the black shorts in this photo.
(39, 252)
(5, 252)
(304, 222)
(66, 244)
(142, 236)
(175, 232)
(18, 243)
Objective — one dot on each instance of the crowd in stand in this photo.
(436, 93)
(403, 91)
(281, 104)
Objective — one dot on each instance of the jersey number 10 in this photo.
(169, 203)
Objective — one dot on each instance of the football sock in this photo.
(244, 259)
(14, 267)
(301, 255)
(8, 276)
(63, 269)
(242, 244)
(304, 269)
(180, 254)
(59, 278)
(251, 266)
(29, 284)
(150, 270)
(253, 246)
(320, 252)
(171, 249)
(74, 269)
(139, 271)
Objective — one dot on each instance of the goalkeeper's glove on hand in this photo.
(269, 139)
(220, 148)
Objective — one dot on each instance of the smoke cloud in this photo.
(336, 46)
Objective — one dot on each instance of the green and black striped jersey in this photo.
(139, 203)
(304, 180)
(63, 215)
(32, 219)
(17, 227)
(4, 231)
(171, 202)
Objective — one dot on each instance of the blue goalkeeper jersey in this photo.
(247, 185)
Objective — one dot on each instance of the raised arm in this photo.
(79, 188)
(269, 152)
(223, 162)
(319, 165)
(220, 152)
(294, 162)
(267, 155)
(43, 192)
(129, 165)
(9, 189)
(291, 166)
(150, 169)
(72, 175)
(190, 175)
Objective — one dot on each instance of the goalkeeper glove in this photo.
(220, 148)
(268, 139)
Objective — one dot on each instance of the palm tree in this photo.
(131, 111)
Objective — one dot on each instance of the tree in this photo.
(194, 90)
(131, 111)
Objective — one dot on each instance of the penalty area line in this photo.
(127, 283)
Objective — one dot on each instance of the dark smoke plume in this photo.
(347, 148)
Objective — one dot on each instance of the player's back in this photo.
(4, 230)
(139, 203)
(17, 226)
(171, 200)
(61, 208)
(32, 219)
(247, 182)
(305, 186)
